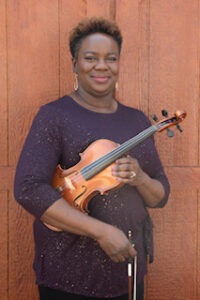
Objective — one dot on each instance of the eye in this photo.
(90, 58)
(112, 58)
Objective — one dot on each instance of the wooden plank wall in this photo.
(159, 69)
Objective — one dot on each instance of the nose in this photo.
(101, 64)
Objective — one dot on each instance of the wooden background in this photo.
(159, 69)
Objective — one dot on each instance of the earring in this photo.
(116, 85)
(76, 82)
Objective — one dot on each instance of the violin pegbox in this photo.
(178, 117)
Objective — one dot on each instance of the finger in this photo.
(121, 174)
(124, 160)
(118, 258)
(124, 180)
(123, 167)
(132, 252)
(127, 175)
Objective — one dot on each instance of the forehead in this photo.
(99, 42)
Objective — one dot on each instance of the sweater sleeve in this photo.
(156, 171)
(152, 165)
(37, 163)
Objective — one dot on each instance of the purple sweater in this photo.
(68, 262)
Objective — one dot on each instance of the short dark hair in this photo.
(93, 25)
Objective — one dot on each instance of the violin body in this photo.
(72, 185)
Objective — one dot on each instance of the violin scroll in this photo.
(178, 117)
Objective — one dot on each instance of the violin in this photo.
(92, 174)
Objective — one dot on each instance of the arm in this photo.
(40, 155)
(147, 175)
(150, 189)
(112, 240)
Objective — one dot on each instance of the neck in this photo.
(104, 104)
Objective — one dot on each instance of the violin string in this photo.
(108, 158)
(117, 152)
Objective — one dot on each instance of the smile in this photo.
(100, 79)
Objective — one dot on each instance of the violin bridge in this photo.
(69, 183)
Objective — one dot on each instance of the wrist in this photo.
(141, 179)
(97, 229)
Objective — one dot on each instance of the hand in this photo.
(115, 244)
(128, 170)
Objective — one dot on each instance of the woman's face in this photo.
(97, 64)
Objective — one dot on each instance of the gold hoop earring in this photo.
(76, 82)
(116, 85)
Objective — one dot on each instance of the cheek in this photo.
(115, 69)
(85, 67)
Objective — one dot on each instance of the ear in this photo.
(74, 64)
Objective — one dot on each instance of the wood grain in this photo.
(21, 253)
(4, 245)
(102, 8)
(33, 69)
(173, 274)
(198, 250)
(174, 75)
(3, 85)
(127, 19)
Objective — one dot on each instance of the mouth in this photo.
(100, 78)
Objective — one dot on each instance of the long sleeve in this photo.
(38, 160)
(152, 165)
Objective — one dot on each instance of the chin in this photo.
(101, 90)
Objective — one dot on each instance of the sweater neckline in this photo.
(95, 112)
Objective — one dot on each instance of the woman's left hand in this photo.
(128, 170)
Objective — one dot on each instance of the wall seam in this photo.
(198, 158)
(7, 96)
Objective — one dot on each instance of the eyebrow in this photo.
(93, 52)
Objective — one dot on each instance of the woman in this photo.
(88, 258)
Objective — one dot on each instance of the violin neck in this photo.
(97, 166)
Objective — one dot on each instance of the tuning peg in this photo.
(179, 127)
(165, 113)
(154, 117)
(170, 133)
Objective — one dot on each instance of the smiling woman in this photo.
(87, 258)
(97, 67)
(96, 62)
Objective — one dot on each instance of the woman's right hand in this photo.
(115, 244)
(111, 239)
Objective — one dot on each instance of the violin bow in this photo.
(131, 274)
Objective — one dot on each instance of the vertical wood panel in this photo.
(198, 250)
(144, 47)
(103, 8)
(33, 50)
(127, 19)
(21, 253)
(174, 74)
(173, 274)
(198, 62)
(3, 245)
(69, 17)
(3, 85)
(33, 70)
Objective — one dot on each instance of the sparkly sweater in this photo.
(65, 261)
